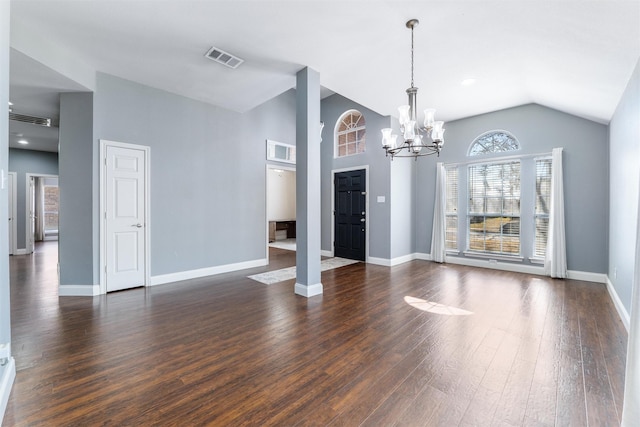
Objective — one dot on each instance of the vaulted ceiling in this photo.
(574, 56)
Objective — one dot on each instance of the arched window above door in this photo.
(350, 133)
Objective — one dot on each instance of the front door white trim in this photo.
(333, 208)
(103, 204)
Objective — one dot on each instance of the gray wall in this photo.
(23, 162)
(379, 177)
(402, 204)
(77, 224)
(5, 321)
(538, 129)
(624, 163)
(208, 201)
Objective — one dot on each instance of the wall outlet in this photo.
(493, 261)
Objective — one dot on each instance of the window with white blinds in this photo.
(494, 208)
(451, 209)
(543, 200)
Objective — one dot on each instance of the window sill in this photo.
(497, 257)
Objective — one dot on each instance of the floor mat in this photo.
(271, 277)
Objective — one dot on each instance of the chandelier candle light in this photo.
(415, 137)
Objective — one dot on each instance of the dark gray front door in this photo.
(350, 215)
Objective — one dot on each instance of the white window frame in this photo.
(452, 214)
(477, 140)
(336, 134)
(485, 252)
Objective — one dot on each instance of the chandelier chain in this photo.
(412, 56)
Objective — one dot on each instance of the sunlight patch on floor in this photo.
(435, 308)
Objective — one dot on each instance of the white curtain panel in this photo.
(555, 261)
(631, 407)
(438, 244)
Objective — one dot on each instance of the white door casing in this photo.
(13, 226)
(124, 216)
(31, 212)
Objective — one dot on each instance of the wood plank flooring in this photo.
(227, 350)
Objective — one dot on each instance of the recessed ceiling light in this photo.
(468, 82)
(10, 103)
(23, 141)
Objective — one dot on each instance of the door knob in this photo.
(362, 219)
(137, 225)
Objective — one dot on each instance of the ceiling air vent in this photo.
(41, 121)
(223, 57)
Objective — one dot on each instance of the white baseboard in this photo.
(326, 253)
(6, 381)
(495, 265)
(424, 257)
(203, 272)
(587, 276)
(524, 268)
(385, 262)
(308, 290)
(20, 252)
(78, 290)
(622, 311)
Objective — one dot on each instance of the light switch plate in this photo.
(381, 199)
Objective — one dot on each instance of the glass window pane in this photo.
(542, 229)
(494, 192)
(493, 142)
(351, 132)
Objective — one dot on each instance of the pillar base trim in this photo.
(308, 290)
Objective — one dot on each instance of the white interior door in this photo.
(125, 214)
(12, 212)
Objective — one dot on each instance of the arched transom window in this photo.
(350, 134)
(496, 141)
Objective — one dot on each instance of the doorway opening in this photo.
(281, 207)
(43, 201)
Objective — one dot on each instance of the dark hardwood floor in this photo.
(227, 350)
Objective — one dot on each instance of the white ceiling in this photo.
(575, 56)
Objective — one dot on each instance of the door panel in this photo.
(350, 214)
(125, 176)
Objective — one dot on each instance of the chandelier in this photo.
(417, 141)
